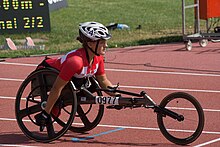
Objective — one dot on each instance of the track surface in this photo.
(157, 69)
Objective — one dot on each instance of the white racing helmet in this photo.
(94, 31)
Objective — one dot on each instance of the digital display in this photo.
(17, 16)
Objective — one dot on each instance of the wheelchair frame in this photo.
(140, 100)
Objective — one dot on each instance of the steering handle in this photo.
(114, 90)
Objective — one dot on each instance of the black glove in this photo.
(43, 118)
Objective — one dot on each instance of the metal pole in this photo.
(198, 22)
(183, 18)
(207, 25)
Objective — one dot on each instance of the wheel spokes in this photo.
(50, 131)
(83, 116)
(30, 110)
(30, 100)
(43, 88)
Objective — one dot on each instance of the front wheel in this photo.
(185, 131)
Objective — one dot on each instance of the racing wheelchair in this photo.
(180, 117)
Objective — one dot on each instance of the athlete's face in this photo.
(101, 47)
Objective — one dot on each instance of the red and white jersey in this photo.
(75, 64)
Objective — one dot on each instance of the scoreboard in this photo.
(17, 16)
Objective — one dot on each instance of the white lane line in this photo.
(207, 143)
(170, 89)
(7, 97)
(125, 70)
(193, 109)
(13, 98)
(18, 64)
(157, 129)
(141, 87)
(164, 72)
(10, 79)
(16, 145)
(188, 109)
(126, 127)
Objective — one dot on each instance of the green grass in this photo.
(161, 22)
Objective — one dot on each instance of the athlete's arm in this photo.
(55, 93)
(66, 72)
(104, 83)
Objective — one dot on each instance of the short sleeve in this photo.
(101, 68)
(70, 66)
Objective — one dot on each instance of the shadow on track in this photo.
(94, 141)
(14, 138)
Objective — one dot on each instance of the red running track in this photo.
(158, 69)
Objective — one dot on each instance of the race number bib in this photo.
(107, 100)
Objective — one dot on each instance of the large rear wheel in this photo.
(31, 99)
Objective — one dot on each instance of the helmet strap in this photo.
(87, 55)
(96, 48)
(94, 52)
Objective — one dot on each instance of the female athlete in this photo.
(78, 64)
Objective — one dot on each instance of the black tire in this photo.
(30, 99)
(184, 136)
(88, 115)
